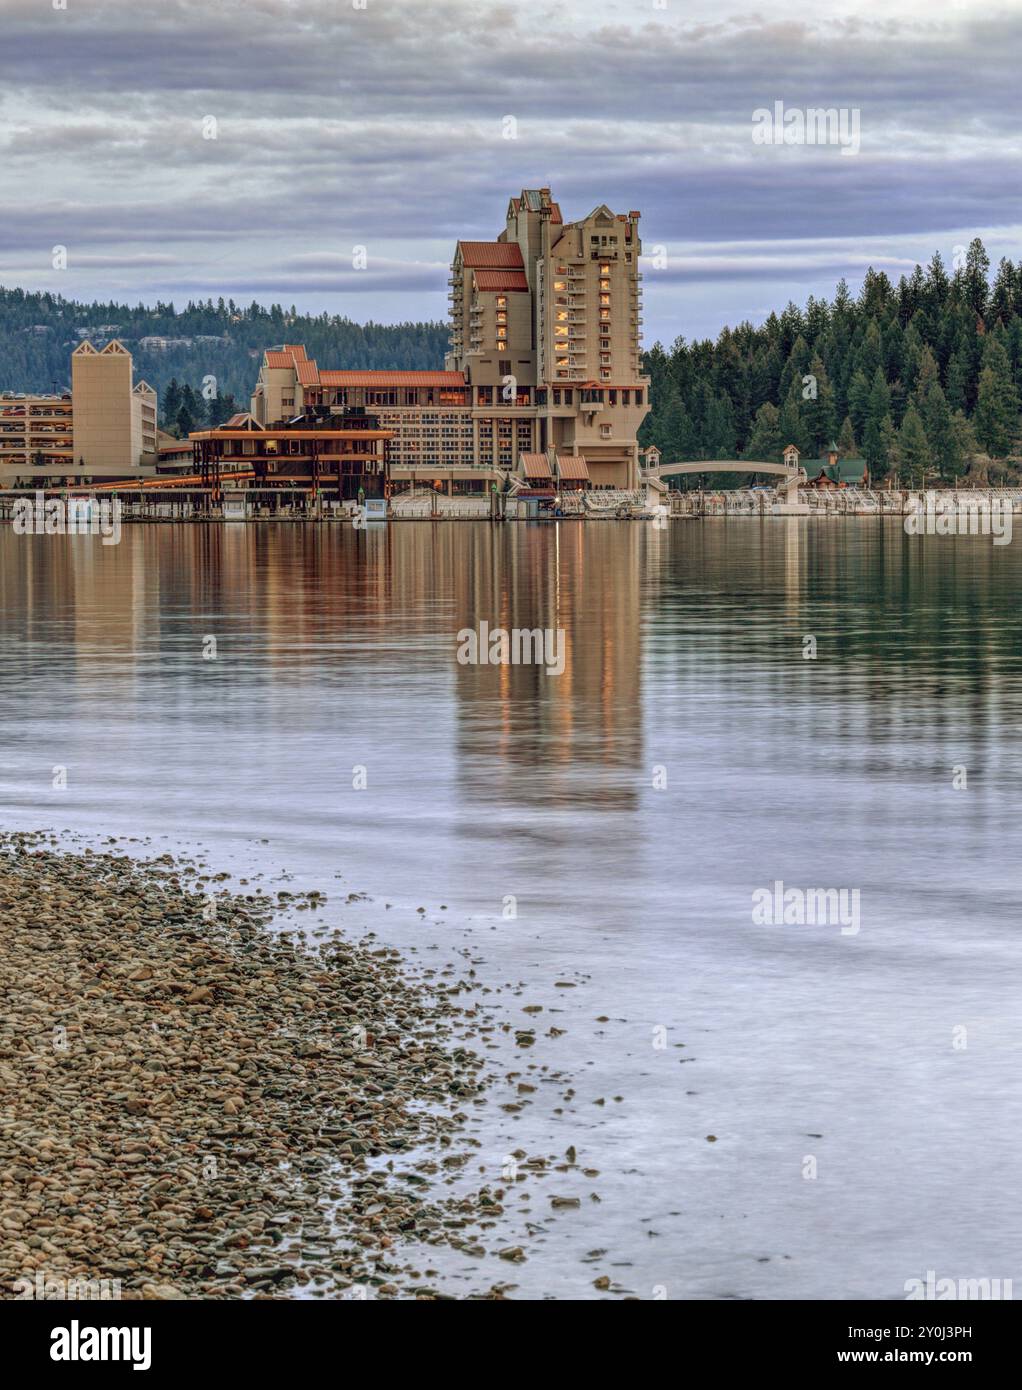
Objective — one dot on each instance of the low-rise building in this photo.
(830, 471)
(342, 454)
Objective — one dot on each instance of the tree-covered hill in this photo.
(920, 378)
(39, 331)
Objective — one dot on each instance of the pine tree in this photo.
(818, 406)
(858, 403)
(846, 444)
(791, 425)
(765, 442)
(914, 450)
(937, 421)
(171, 402)
(997, 403)
(890, 450)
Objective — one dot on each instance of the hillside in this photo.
(922, 378)
(39, 331)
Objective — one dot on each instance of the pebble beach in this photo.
(196, 1105)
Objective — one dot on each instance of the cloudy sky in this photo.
(385, 124)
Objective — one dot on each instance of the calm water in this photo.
(336, 650)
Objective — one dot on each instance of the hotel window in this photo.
(567, 396)
(557, 396)
(626, 397)
(504, 366)
(638, 397)
(612, 398)
(605, 431)
(605, 299)
(604, 269)
(604, 284)
(501, 301)
(559, 284)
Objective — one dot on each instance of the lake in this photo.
(822, 704)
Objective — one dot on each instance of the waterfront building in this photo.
(830, 471)
(544, 359)
(105, 425)
(342, 454)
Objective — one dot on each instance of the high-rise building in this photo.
(545, 359)
(549, 314)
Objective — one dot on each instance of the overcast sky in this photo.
(339, 126)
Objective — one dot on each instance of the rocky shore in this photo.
(196, 1105)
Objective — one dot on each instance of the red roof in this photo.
(491, 280)
(494, 255)
(452, 379)
(536, 466)
(572, 466)
(308, 374)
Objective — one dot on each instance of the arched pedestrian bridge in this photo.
(791, 477)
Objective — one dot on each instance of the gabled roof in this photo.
(846, 470)
(535, 465)
(308, 372)
(114, 349)
(572, 466)
(490, 281)
(491, 255)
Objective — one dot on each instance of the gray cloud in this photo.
(339, 127)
